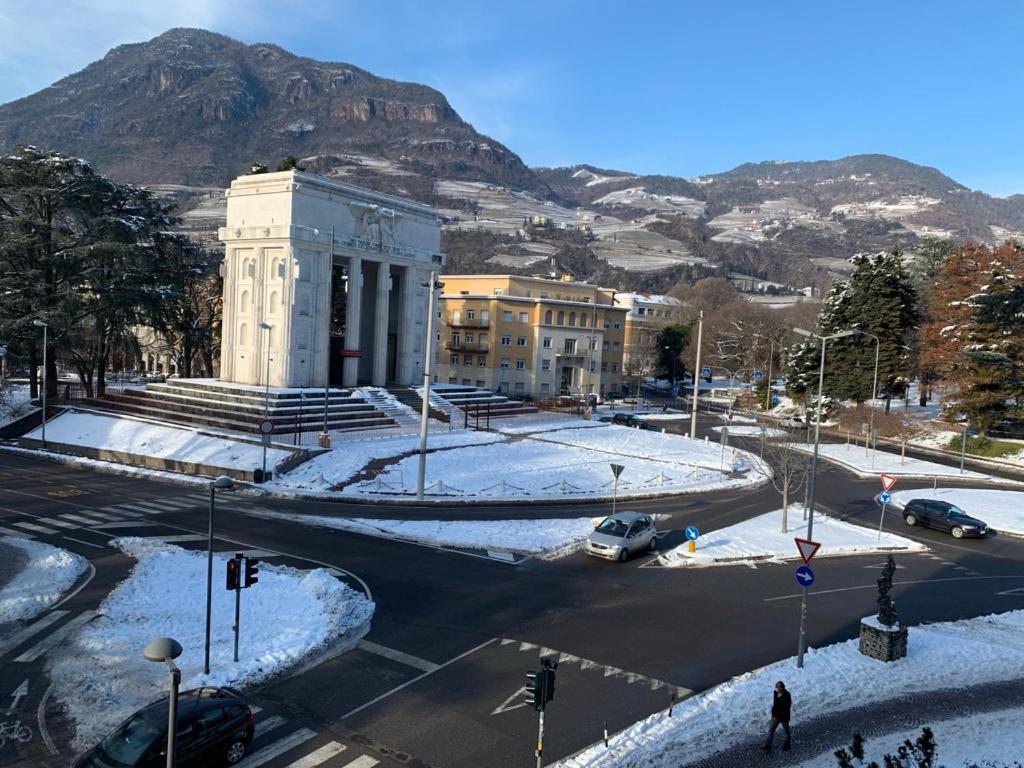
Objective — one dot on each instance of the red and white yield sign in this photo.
(807, 549)
(888, 481)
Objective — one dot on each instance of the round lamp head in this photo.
(162, 649)
(223, 483)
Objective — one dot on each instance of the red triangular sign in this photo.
(888, 481)
(806, 548)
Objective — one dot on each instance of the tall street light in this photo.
(428, 359)
(802, 644)
(46, 328)
(696, 380)
(222, 483)
(266, 396)
(167, 649)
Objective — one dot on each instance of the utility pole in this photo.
(696, 380)
(325, 436)
(428, 360)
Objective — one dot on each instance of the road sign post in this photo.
(885, 497)
(266, 430)
(692, 534)
(616, 471)
(805, 577)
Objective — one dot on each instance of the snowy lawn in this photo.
(750, 431)
(14, 403)
(522, 426)
(1001, 510)
(101, 676)
(760, 538)
(834, 678)
(861, 462)
(549, 537)
(48, 573)
(984, 739)
(147, 439)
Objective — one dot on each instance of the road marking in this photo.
(104, 516)
(87, 543)
(896, 584)
(123, 524)
(365, 761)
(267, 725)
(180, 503)
(403, 658)
(279, 747)
(177, 539)
(1018, 592)
(79, 518)
(261, 554)
(322, 755)
(36, 528)
(15, 640)
(56, 637)
(58, 523)
(139, 508)
(497, 554)
(416, 679)
(15, 533)
(508, 706)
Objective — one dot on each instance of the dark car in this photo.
(215, 727)
(629, 420)
(943, 516)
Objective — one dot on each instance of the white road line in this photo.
(255, 709)
(79, 518)
(279, 747)
(262, 554)
(156, 506)
(496, 554)
(36, 528)
(58, 523)
(322, 755)
(54, 638)
(16, 534)
(87, 543)
(123, 524)
(399, 656)
(365, 761)
(177, 539)
(895, 584)
(268, 724)
(181, 503)
(139, 508)
(15, 640)
(104, 516)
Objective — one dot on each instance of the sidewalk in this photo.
(828, 733)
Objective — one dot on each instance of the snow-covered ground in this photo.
(14, 403)
(48, 573)
(1001, 510)
(749, 431)
(147, 439)
(982, 739)
(940, 656)
(875, 461)
(761, 538)
(546, 462)
(101, 676)
(531, 537)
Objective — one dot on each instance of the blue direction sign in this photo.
(758, 375)
(885, 497)
(705, 372)
(804, 576)
(692, 533)
(970, 432)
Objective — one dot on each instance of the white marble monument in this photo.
(285, 232)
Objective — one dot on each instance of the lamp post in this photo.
(696, 380)
(266, 396)
(3, 364)
(166, 649)
(222, 483)
(802, 643)
(46, 328)
(428, 358)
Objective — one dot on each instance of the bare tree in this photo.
(789, 469)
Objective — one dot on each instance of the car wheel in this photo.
(654, 543)
(623, 555)
(911, 519)
(957, 531)
(235, 752)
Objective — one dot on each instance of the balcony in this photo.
(467, 323)
(467, 346)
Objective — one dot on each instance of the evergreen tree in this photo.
(669, 347)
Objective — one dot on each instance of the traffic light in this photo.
(535, 689)
(233, 573)
(548, 667)
(251, 569)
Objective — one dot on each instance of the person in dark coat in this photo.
(782, 703)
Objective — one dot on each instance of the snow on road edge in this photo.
(48, 574)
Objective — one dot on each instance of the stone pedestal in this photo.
(881, 642)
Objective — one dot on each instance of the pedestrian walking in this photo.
(782, 703)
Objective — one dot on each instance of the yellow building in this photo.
(529, 335)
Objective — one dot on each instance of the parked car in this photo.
(622, 534)
(943, 516)
(630, 420)
(792, 422)
(215, 727)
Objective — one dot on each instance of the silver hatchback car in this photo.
(621, 534)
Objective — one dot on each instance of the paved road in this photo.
(435, 682)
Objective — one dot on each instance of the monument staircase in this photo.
(473, 400)
(440, 409)
(388, 403)
(211, 404)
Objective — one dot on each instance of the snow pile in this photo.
(531, 537)
(101, 676)
(142, 438)
(1001, 510)
(49, 573)
(861, 462)
(940, 656)
(760, 538)
(14, 403)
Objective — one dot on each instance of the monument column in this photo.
(406, 329)
(380, 323)
(350, 369)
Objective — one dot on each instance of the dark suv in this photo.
(943, 516)
(629, 420)
(215, 727)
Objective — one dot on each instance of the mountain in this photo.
(186, 112)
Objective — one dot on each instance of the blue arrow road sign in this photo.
(804, 576)
(971, 432)
(692, 533)
(705, 372)
(758, 375)
(885, 497)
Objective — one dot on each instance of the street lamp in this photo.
(696, 381)
(222, 483)
(46, 328)
(266, 396)
(814, 467)
(166, 649)
(432, 287)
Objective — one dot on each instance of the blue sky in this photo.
(680, 88)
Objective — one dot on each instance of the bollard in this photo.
(606, 733)
(661, 477)
(672, 698)
(503, 486)
(705, 438)
(691, 546)
(562, 485)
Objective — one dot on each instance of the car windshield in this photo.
(125, 746)
(613, 527)
(956, 512)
